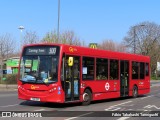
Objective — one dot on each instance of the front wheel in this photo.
(135, 91)
(87, 97)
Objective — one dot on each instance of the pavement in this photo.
(8, 87)
(13, 87)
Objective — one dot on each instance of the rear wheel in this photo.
(87, 97)
(135, 91)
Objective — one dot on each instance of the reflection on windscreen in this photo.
(39, 69)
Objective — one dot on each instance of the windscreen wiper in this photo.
(28, 81)
(41, 82)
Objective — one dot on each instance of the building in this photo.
(11, 65)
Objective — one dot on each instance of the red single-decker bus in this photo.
(63, 73)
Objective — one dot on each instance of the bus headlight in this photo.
(20, 87)
(53, 89)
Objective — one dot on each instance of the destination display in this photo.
(42, 50)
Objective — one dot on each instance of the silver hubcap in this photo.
(85, 97)
(135, 92)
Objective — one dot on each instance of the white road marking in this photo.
(145, 110)
(147, 97)
(116, 109)
(128, 105)
(114, 106)
(9, 105)
(123, 118)
(111, 107)
(148, 106)
(152, 106)
(39, 110)
(142, 110)
(121, 104)
(79, 116)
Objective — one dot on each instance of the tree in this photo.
(7, 46)
(51, 37)
(111, 45)
(142, 37)
(67, 37)
(146, 40)
(30, 37)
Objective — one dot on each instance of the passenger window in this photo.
(135, 70)
(147, 69)
(88, 68)
(101, 69)
(141, 70)
(114, 69)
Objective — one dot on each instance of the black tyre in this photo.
(87, 97)
(135, 92)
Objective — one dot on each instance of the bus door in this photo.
(72, 78)
(124, 78)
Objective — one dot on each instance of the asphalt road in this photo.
(144, 104)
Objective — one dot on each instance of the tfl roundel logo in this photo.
(107, 86)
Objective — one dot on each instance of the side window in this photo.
(101, 69)
(76, 67)
(114, 68)
(88, 68)
(68, 69)
(141, 70)
(147, 69)
(135, 70)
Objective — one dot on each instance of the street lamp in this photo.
(134, 30)
(58, 19)
(21, 28)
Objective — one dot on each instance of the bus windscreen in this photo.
(39, 64)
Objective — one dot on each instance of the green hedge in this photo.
(10, 79)
(155, 78)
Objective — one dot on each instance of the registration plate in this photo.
(35, 99)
